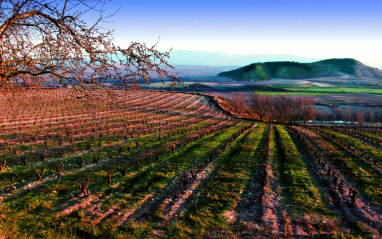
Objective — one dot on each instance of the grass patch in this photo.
(302, 196)
(221, 192)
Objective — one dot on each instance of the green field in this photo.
(339, 90)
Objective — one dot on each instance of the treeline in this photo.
(348, 115)
(292, 109)
(285, 109)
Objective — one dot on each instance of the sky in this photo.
(308, 28)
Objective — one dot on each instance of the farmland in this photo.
(137, 164)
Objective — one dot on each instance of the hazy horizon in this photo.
(312, 29)
(205, 58)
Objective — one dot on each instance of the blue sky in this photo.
(316, 29)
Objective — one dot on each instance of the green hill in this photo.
(296, 70)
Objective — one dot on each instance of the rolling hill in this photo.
(296, 70)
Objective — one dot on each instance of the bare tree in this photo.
(321, 115)
(338, 113)
(306, 108)
(347, 114)
(378, 116)
(370, 115)
(261, 104)
(285, 108)
(273, 114)
(238, 100)
(360, 117)
(48, 40)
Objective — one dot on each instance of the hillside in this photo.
(296, 70)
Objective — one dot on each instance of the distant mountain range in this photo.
(185, 57)
(297, 70)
